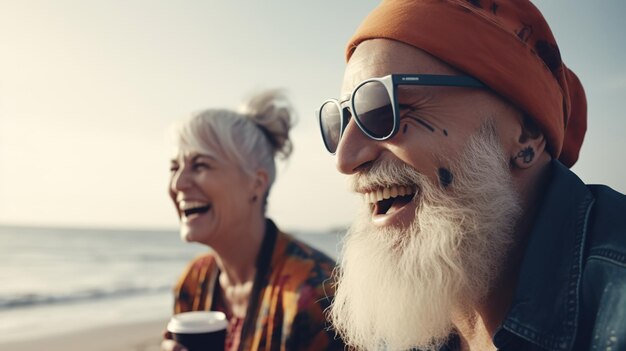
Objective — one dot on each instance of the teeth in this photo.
(386, 193)
(187, 205)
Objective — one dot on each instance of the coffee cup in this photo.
(199, 330)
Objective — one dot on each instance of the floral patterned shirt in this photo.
(291, 291)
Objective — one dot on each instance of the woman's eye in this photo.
(173, 168)
(200, 166)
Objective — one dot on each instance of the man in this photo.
(457, 123)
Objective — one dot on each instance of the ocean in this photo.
(57, 280)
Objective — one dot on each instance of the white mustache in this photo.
(385, 174)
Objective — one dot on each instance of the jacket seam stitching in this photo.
(609, 256)
(581, 249)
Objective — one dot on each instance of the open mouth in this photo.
(192, 208)
(389, 200)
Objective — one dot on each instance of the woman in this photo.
(273, 288)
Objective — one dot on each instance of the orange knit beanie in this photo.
(506, 44)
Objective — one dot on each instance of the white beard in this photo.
(399, 287)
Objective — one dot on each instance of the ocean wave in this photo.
(32, 299)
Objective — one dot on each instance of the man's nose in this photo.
(355, 150)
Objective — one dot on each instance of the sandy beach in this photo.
(144, 336)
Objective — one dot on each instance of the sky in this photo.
(90, 88)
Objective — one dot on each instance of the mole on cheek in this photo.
(445, 176)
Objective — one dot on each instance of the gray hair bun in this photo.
(272, 112)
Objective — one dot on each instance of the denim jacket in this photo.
(571, 292)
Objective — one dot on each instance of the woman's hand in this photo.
(170, 345)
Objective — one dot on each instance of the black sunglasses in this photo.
(374, 106)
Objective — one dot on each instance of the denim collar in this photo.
(545, 308)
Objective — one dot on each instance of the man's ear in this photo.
(530, 144)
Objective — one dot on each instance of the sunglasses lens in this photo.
(330, 123)
(373, 109)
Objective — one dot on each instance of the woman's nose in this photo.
(180, 180)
